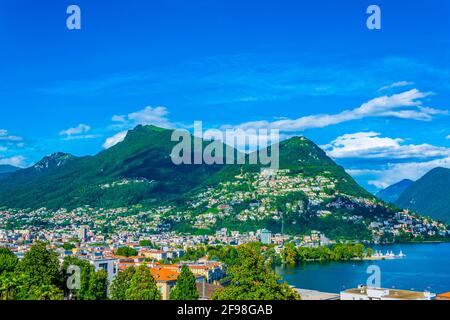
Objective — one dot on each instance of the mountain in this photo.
(393, 192)
(53, 161)
(430, 195)
(308, 193)
(6, 170)
(139, 170)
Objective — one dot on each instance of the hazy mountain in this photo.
(430, 195)
(6, 170)
(393, 192)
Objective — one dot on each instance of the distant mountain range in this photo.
(6, 170)
(143, 160)
(430, 195)
(393, 192)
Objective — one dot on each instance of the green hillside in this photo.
(140, 170)
(430, 195)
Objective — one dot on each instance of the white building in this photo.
(369, 293)
(109, 265)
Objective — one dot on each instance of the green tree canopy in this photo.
(68, 246)
(146, 243)
(126, 252)
(98, 285)
(11, 285)
(41, 266)
(143, 286)
(8, 260)
(86, 270)
(121, 283)
(251, 279)
(185, 288)
(92, 285)
(44, 292)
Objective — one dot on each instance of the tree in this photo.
(121, 283)
(186, 288)
(289, 254)
(143, 286)
(11, 285)
(8, 260)
(126, 252)
(44, 292)
(251, 279)
(68, 246)
(41, 266)
(92, 285)
(146, 243)
(86, 270)
(358, 250)
(98, 285)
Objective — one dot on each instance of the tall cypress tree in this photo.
(143, 286)
(185, 288)
(121, 283)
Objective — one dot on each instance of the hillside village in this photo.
(251, 199)
(275, 208)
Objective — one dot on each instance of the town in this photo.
(233, 214)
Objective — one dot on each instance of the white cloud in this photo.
(5, 136)
(149, 115)
(395, 172)
(371, 145)
(112, 141)
(396, 85)
(78, 132)
(17, 161)
(406, 105)
(448, 137)
(119, 118)
(417, 159)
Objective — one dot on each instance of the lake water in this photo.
(425, 267)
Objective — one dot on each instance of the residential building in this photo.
(109, 265)
(266, 236)
(371, 293)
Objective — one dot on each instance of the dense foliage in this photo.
(126, 252)
(251, 278)
(185, 288)
(339, 252)
(39, 276)
(36, 277)
(142, 286)
(121, 283)
(92, 286)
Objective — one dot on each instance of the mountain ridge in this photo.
(393, 192)
(6, 170)
(61, 180)
(430, 195)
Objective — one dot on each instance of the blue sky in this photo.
(375, 100)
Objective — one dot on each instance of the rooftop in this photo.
(389, 293)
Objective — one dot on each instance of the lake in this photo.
(425, 267)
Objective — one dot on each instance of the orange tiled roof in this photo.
(159, 273)
(443, 296)
(164, 274)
